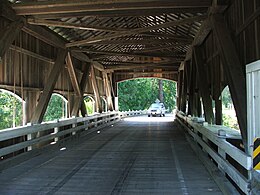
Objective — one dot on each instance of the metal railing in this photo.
(35, 136)
(212, 139)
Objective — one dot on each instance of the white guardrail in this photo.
(212, 140)
(54, 131)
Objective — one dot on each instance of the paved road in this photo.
(139, 155)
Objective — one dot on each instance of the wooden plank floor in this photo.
(131, 157)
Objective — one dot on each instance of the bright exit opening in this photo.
(139, 94)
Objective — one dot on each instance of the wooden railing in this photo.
(25, 139)
(213, 140)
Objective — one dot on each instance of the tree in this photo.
(226, 97)
(139, 94)
(89, 105)
(56, 109)
(11, 113)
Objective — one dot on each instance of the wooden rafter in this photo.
(137, 31)
(140, 66)
(150, 41)
(160, 47)
(65, 6)
(123, 13)
(109, 53)
(84, 58)
(147, 72)
(43, 22)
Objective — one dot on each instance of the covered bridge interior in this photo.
(84, 47)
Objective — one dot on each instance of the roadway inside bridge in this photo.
(138, 155)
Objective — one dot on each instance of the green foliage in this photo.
(56, 109)
(89, 105)
(230, 121)
(169, 89)
(139, 94)
(226, 98)
(10, 110)
(229, 118)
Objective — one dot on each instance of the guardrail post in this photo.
(221, 152)
(74, 125)
(56, 130)
(86, 123)
(29, 137)
(95, 121)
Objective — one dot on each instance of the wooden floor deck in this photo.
(134, 156)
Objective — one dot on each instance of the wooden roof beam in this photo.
(123, 13)
(144, 41)
(140, 66)
(43, 22)
(73, 76)
(84, 58)
(137, 31)
(109, 53)
(149, 72)
(67, 6)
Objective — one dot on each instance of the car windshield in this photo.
(155, 106)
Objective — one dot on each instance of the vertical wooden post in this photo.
(190, 88)
(217, 95)
(8, 34)
(96, 90)
(183, 92)
(179, 87)
(108, 91)
(48, 88)
(234, 71)
(203, 84)
(73, 76)
(78, 104)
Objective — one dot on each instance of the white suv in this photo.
(156, 109)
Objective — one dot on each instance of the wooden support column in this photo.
(107, 87)
(196, 106)
(183, 92)
(179, 90)
(8, 34)
(96, 90)
(203, 84)
(78, 104)
(73, 76)
(234, 71)
(48, 88)
(217, 95)
(190, 91)
(111, 82)
(30, 105)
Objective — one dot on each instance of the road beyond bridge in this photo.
(138, 155)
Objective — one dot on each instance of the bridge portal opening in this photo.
(12, 108)
(229, 117)
(57, 108)
(140, 93)
(90, 104)
(104, 104)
